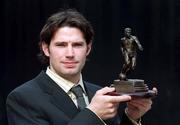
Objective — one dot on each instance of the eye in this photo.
(78, 44)
(61, 44)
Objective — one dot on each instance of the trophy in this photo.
(133, 87)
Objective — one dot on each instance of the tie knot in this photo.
(77, 90)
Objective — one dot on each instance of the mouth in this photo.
(70, 64)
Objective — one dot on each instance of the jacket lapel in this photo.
(91, 89)
(64, 103)
(58, 97)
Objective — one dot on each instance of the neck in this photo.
(73, 78)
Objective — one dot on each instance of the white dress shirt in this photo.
(67, 85)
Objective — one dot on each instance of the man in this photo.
(129, 46)
(49, 98)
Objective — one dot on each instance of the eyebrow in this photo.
(63, 42)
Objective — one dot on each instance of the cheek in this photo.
(55, 53)
(82, 54)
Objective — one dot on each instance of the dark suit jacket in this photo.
(42, 102)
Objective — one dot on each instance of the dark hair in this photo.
(69, 17)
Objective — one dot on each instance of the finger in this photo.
(118, 99)
(105, 90)
(143, 100)
(140, 105)
(132, 107)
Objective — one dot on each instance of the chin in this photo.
(71, 72)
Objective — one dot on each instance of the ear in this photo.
(45, 48)
(89, 46)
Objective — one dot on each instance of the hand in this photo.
(104, 105)
(136, 108)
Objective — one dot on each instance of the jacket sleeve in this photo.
(86, 117)
(23, 112)
(20, 113)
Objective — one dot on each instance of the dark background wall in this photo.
(154, 22)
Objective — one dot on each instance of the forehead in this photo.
(68, 33)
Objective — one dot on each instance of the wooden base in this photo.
(133, 87)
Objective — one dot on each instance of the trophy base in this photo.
(133, 87)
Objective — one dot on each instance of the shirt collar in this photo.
(65, 84)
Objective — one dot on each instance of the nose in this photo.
(70, 51)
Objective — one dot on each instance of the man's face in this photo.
(67, 52)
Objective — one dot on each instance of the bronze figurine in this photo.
(129, 46)
(134, 87)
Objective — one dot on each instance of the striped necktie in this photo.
(78, 92)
